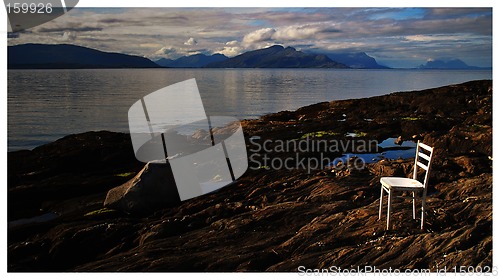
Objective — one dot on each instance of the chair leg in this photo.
(380, 206)
(423, 213)
(389, 209)
(414, 207)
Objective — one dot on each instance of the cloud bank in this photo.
(403, 37)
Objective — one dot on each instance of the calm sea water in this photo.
(45, 105)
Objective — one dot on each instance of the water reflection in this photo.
(44, 105)
(406, 150)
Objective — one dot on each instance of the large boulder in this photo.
(151, 189)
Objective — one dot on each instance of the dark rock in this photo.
(399, 141)
(389, 168)
(416, 137)
(68, 174)
(151, 189)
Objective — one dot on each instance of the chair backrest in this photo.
(423, 159)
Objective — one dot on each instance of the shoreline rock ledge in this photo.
(270, 219)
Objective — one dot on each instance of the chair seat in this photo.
(401, 183)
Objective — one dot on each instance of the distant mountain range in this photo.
(192, 61)
(41, 56)
(46, 56)
(359, 60)
(448, 64)
(277, 57)
(274, 56)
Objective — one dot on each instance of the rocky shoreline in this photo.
(270, 220)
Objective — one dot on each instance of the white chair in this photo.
(423, 158)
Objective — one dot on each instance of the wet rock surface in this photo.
(270, 220)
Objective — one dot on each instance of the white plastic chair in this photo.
(423, 159)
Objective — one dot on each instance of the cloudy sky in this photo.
(405, 37)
